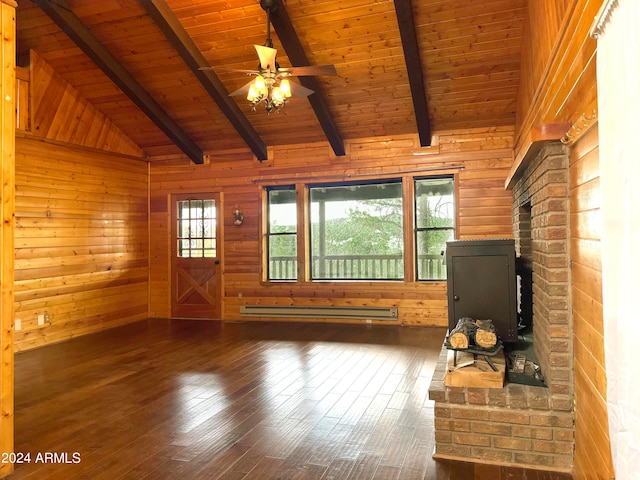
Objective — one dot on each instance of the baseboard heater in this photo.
(367, 313)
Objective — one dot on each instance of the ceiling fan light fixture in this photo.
(277, 97)
(271, 85)
(252, 95)
(260, 85)
(285, 87)
(265, 90)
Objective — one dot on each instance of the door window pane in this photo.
(196, 228)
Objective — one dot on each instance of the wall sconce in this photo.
(238, 217)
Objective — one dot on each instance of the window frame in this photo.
(337, 184)
(418, 230)
(303, 230)
(269, 235)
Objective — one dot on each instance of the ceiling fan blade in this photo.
(243, 90)
(235, 70)
(267, 56)
(299, 91)
(310, 70)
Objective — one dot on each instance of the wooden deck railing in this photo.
(358, 267)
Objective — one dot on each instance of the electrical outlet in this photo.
(369, 321)
(17, 325)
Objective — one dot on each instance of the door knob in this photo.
(456, 298)
(217, 262)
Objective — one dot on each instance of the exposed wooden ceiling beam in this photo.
(292, 46)
(80, 34)
(406, 23)
(192, 56)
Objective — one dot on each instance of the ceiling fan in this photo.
(271, 84)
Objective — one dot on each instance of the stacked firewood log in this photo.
(470, 333)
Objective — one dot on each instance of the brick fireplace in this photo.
(525, 425)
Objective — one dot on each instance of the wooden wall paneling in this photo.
(81, 241)
(159, 259)
(483, 210)
(58, 112)
(485, 154)
(7, 227)
(574, 79)
(543, 29)
(23, 99)
(558, 69)
(592, 456)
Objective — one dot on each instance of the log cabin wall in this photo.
(56, 111)
(558, 84)
(81, 238)
(593, 456)
(558, 75)
(546, 22)
(483, 211)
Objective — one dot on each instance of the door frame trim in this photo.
(173, 197)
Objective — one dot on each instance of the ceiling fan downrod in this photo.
(268, 6)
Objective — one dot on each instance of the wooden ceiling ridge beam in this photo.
(409, 38)
(295, 51)
(171, 27)
(70, 24)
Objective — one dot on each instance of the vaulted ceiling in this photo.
(403, 67)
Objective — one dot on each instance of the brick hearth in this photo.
(519, 424)
(514, 425)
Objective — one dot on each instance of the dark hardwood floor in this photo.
(202, 400)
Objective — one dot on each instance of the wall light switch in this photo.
(17, 324)
(41, 320)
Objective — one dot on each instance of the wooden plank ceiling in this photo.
(466, 55)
